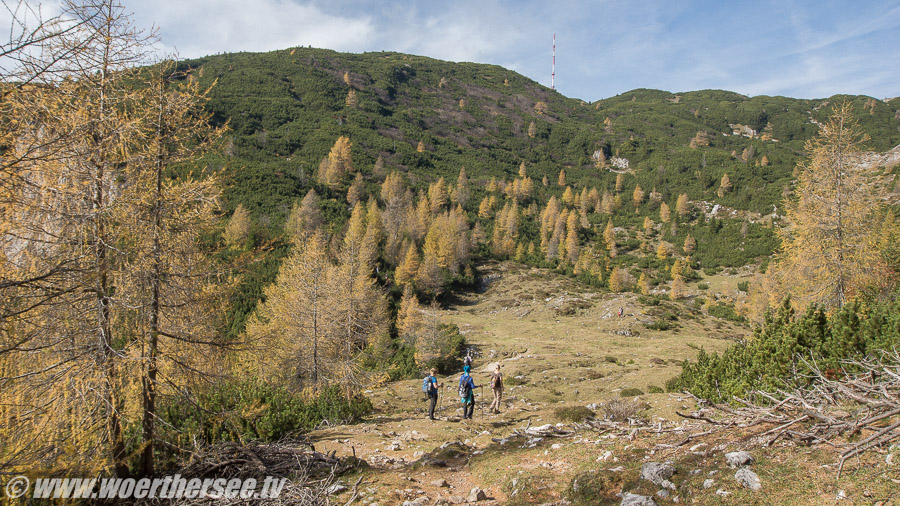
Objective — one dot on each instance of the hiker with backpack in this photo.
(497, 389)
(467, 393)
(467, 360)
(430, 388)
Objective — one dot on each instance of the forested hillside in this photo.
(622, 162)
(286, 108)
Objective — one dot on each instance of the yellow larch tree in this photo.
(637, 197)
(682, 206)
(664, 213)
(827, 251)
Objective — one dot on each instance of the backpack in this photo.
(426, 384)
(465, 388)
(496, 381)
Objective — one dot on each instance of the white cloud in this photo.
(201, 27)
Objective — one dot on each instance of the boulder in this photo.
(658, 474)
(738, 459)
(476, 495)
(440, 483)
(748, 479)
(630, 499)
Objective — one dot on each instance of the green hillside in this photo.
(286, 108)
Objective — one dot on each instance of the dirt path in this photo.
(558, 344)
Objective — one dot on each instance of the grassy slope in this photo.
(559, 347)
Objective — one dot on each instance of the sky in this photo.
(800, 49)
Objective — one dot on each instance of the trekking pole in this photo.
(482, 400)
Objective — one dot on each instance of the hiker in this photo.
(467, 393)
(497, 389)
(621, 312)
(467, 361)
(430, 387)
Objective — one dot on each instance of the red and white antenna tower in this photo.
(553, 68)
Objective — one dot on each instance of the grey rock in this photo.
(723, 493)
(708, 483)
(748, 479)
(335, 489)
(476, 494)
(592, 406)
(630, 499)
(662, 494)
(738, 459)
(440, 483)
(456, 499)
(658, 474)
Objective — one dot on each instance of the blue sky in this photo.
(802, 49)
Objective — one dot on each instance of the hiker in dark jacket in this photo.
(467, 393)
(432, 392)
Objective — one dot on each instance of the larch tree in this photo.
(305, 218)
(292, 327)
(827, 252)
(664, 213)
(168, 281)
(690, 244)
(724, 186)
(461, 191)
(682, 206)
(678, 287)
(354, 193)
(609, 235)
(237, 231)
(561, 180)
(139, 296)
(572, 243)
(637, 197)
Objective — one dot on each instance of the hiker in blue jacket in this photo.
(467, 393)
(431, 390)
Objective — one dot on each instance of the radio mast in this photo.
(553, 68)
